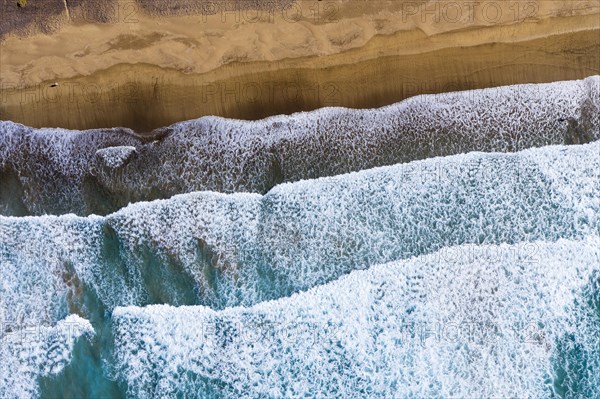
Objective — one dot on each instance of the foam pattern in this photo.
(50, 171)
(115, 157)
(247, 248)
(35, 351)
(52, 266)
(58, 171)
(224, 250)
(470, 321)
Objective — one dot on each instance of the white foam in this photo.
(482, 325)
(49, 267)
(240, 249)
(37, 272)
(115, 157)
(32, 351)
(227, 155)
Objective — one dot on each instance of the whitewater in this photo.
(59, 171)
(336, 253)
(504, 323)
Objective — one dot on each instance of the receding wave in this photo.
(57, 171)
(488, 321)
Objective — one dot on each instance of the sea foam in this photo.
(57, 171)
(31, 351)
(488, 321)
(225, 250)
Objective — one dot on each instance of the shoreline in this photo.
(144, 97)
(103, 170)
(165, 68)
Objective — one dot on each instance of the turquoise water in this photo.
(534, 333)
(432, 271)
(506, 239)
(576, 360)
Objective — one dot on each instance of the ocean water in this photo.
(336, 253)
(33, 351)
(449, 224)
(224, 250)
(504, 321)
(58, 171)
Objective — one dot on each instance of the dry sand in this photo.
(145, 69)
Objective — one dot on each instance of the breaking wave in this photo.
(30, 351)
(486, 277)
(495, 323)
(239, 249)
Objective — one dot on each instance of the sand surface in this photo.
(144, 68)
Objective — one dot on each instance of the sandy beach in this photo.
(143, 67)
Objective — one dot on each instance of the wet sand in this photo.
(164, 69)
